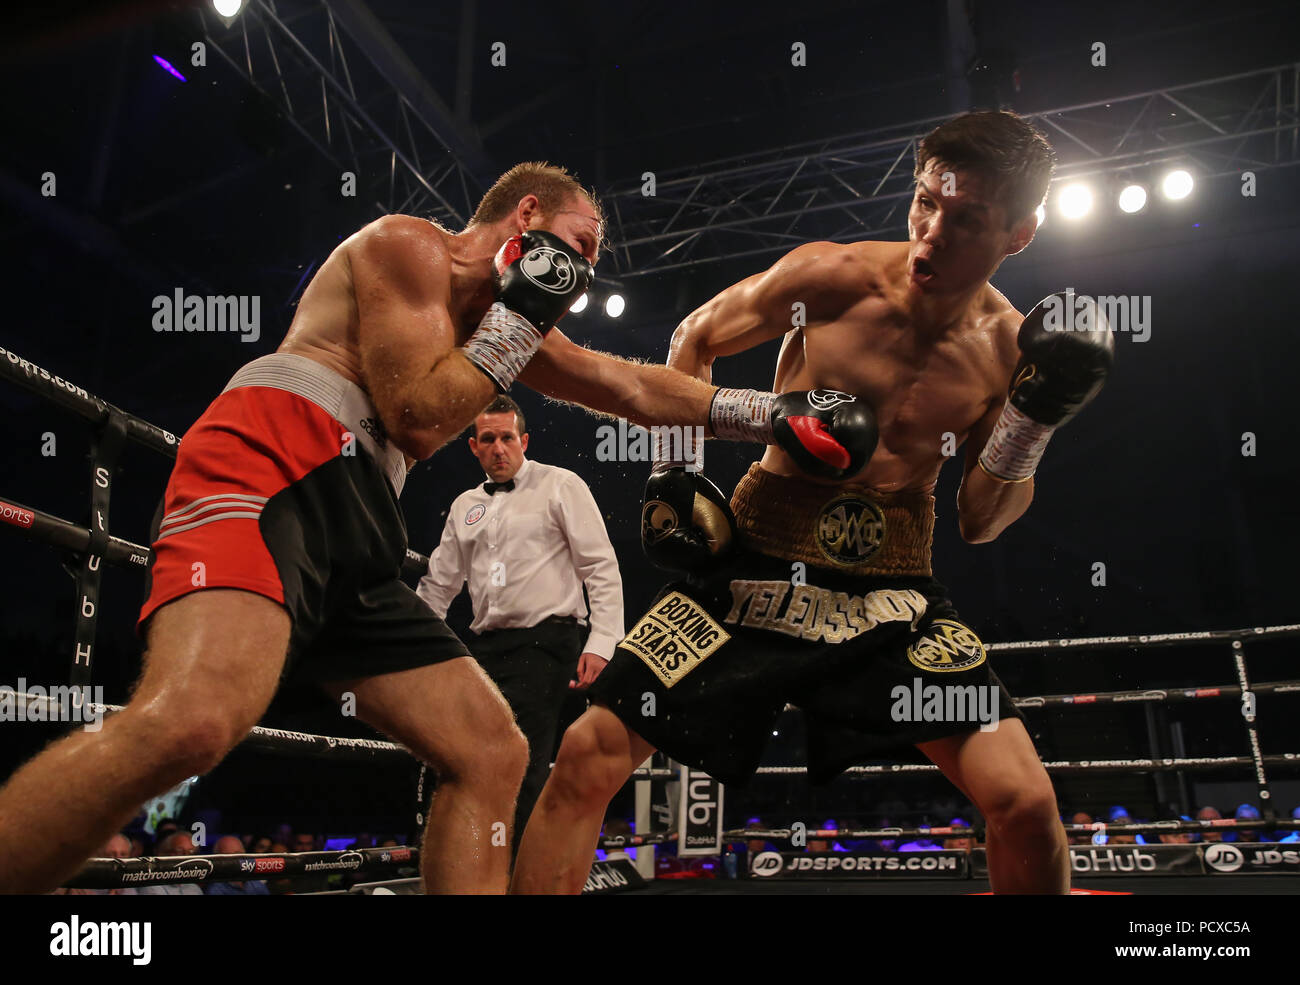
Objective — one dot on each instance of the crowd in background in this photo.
(171, 839)
(823, 836)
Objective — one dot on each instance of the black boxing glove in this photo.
(826, 433)
(536, 277)
(686, 522)
(1067, 350)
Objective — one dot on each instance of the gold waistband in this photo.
(847, 528)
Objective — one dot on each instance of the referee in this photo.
(527, 541)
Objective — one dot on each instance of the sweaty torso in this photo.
(326, 324)
(928, 385)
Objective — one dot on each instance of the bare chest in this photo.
(927, 393)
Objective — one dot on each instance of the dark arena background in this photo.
(152, 148)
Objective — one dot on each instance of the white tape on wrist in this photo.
(676, 447)
(1015, 447)
(502, 344)
(742, 415)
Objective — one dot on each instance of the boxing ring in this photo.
(1207, 867)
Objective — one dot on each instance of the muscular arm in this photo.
(425, 390)
(761, 308)
(596, 564)
(986, 506)
(643, 393)
(442, 582)
(741, 317)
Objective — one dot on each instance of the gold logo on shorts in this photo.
(947, 646)
(850, 530)
(674, 636)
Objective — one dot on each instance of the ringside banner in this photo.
(700, 819)
(1118, 860)
(612, 876)
(1244, 858)
(855, 865)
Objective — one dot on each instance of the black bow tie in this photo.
(491, 488)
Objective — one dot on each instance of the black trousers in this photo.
(533, 667)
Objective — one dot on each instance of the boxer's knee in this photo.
(1022, 808)
(494, 754)
(588, 772)
(506, 758)
(175, 739)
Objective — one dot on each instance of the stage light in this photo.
(1177, 184)
(227, 8)
(614, 305)
(579, 306)
(1075, 201)
(1133, 199)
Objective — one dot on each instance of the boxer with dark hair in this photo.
(820, 593)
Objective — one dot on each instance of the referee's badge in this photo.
(475, 514)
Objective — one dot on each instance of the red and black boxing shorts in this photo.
(287, 486)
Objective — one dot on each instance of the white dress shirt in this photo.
(526, 554)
